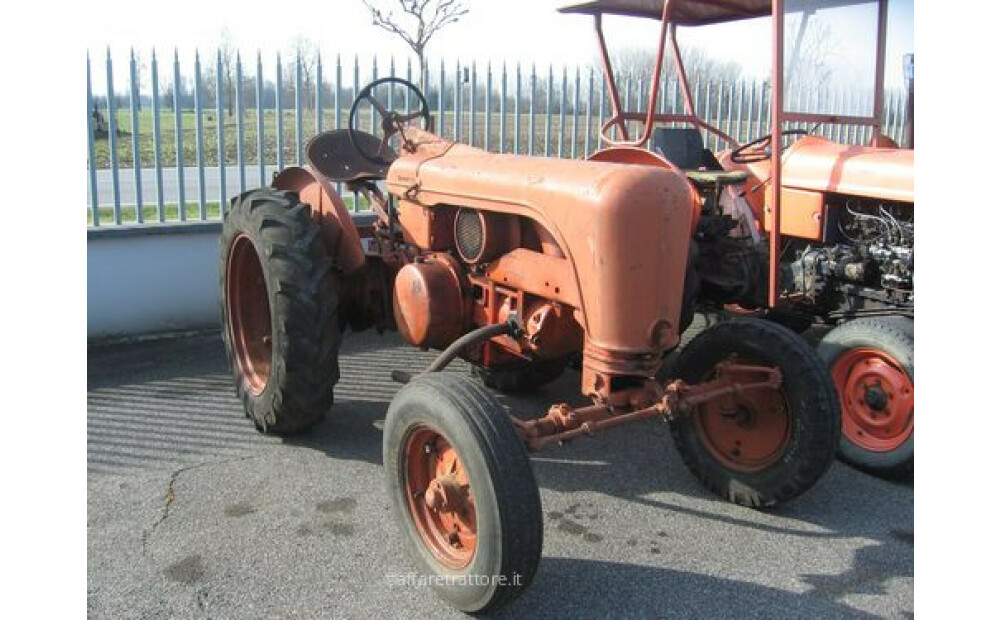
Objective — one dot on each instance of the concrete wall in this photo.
(152, 278)
(156, 278)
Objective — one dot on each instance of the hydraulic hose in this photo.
(511, 327)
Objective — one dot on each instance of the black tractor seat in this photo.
(333, 155)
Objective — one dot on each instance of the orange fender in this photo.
(336, 227)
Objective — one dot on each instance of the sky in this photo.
(494, 30)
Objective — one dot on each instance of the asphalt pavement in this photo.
(191, 513)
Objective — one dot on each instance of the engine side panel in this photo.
(624, 229)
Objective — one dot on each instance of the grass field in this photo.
(747, 129)
(168, 142)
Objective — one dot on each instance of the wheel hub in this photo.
(440, 498)
(876, 397)
(749, 432)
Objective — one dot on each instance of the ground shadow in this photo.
(576, 588)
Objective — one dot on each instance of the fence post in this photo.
(220, 130)
(319, 93)
(262, 171)
(91, 164)
(562, 113)
(486, 104)
(336, 107)
(157, 160)
(517, 109)
(439, 125)
(472, 104)
(240, 139)
(133, 99)
(336, 95)
(590, 97)
(371, 108)
(113, 141)
(199, 138)
(531, 111)
(279, 113)
(600, 111)
(739, 112)
(548, 112)
(457, 112)
(729, 108)
(576, 113)
(298, 108)
(179, 139)
(503, 107)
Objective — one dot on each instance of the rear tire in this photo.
(441, 424)
(787, 437)
(874, 355)
(279, 311)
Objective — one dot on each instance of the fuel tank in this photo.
(624, 229)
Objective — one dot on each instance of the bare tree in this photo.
(227, 79)
(140, 74)
(418, 21)
(307, 52)
(810, 64)
(698, 64)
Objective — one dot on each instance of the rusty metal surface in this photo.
(818, 164)
(615, 224)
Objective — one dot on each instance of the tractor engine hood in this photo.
(625, 229)
(818, 164)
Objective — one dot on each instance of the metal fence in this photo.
(180, 152)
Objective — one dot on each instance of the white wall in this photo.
(156, 278)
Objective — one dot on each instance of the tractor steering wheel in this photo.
(760, 149)
(392, 121)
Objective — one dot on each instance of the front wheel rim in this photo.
(876, 399)
(249, 314)
(746, 433)
(439, 497)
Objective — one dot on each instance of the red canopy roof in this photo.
(693, 12)
(684, 12)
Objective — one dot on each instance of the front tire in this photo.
(871, 360)
(462, 491)
(779, 442)
(279, 307)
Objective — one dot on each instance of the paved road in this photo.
(127, 193)
(191, 513)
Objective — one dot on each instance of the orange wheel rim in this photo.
(439, 497)
(746, 433)
(876, 399)
(249, 314)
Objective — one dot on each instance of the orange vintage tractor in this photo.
(515, 264)
(845, 253)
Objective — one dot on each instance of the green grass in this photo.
(747, 129)
(168, 142)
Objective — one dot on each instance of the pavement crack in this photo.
(170, 495)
